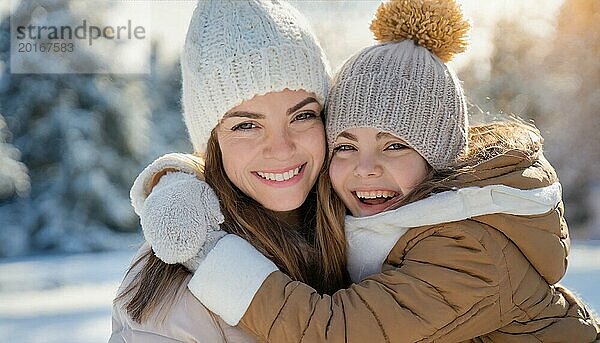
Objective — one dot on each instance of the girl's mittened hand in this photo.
(212, 237)
(149, 177)
(180, 217)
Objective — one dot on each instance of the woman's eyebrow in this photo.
(243, 114)
(252, 115)
(301, 104)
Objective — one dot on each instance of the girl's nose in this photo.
(368, 166)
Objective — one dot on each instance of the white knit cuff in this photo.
(186, 163)
(229, 277)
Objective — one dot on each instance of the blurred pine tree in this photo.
(553, 80)
(571, 103)
(84, 138)
(14, 179)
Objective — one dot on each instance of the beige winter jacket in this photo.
(186, 321)
(492, 276)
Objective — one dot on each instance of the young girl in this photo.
(456, 233)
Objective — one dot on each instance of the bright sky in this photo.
(345, 24)
(342, 26)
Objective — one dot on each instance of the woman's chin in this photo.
(283, 207)
(282, 202)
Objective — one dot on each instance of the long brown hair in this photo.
(313, 256)
(313, 251)
(485, 141)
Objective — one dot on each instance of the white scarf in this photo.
(370, 239)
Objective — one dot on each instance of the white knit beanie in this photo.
(403, 86)
(237, 49)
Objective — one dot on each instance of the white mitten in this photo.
(212, 237)
(180, 216)
(180, 219)
(173, 162)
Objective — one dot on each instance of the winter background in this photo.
(72, 144)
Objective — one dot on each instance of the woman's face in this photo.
(372, 170)
(273, 147)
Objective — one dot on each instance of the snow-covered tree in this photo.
(511, 86)
(553, 80)
(84, 138)
(571, 102)
(14, 180)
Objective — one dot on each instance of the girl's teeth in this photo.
(375, 194)
(280, 176)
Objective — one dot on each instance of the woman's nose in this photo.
(279, 146)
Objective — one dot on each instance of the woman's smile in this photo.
(281, 177)
(273, 147)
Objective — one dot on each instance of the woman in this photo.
(254, 81)
(476, 263)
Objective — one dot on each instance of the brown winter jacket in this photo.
(490, 278)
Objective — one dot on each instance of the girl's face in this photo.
(372, 170)
(273, 147)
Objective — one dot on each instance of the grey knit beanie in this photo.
(237, 49)
(401, 87)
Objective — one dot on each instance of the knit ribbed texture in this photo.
(403, 89)
(237, 49)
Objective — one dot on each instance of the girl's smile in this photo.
(376, 200)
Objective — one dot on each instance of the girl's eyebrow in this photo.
(382, 135)
(348, 136)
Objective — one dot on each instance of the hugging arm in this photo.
(444, 285)
(179, 212)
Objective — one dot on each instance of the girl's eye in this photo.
(305, 115)
(343, 147)
(243, 126)
(396, 146)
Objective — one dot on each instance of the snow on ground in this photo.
(67, 298)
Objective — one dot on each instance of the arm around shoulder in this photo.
(443, 284)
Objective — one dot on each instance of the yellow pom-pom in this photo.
(437, 25)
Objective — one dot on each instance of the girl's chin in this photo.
(366, 213)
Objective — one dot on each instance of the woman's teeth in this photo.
(280, 176)
(375, 194)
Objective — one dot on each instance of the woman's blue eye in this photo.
(305, 115)
(243, 126)
(396, 146)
